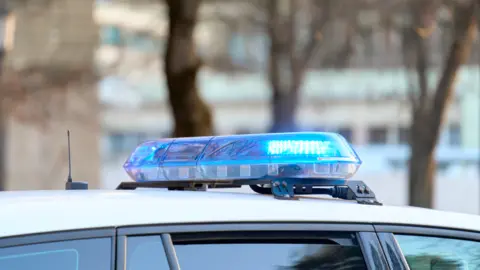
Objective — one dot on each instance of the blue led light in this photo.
(313, 154)
(298, 147)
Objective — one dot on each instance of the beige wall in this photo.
(58, 38)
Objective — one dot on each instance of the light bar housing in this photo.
(316, 155)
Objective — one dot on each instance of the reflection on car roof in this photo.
(71, 210)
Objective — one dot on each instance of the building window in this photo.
(377, 135)
(111, 35)
(242, 131)
(346, 132)
(122, 142)
(166, 134)
(320, 129)
(142, 137)
(247, 50)
(455, 135)
(142, 41)
(403, 135)
(237, 49)
(117, 142)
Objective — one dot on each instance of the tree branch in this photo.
(417, 34)
(464, 28)
(295, 66)
(275, 47)
(422, 70)
(321, 10)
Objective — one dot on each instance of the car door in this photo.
(250, 246)
(418, 248)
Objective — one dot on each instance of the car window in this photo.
(146, 253)
(425, 252)
(283, 252)
(269, 256)
(89, 254)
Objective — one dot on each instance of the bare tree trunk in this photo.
(284, 105)
(3, 132)
(422, 164)
(285, 70)
(422, 161)
(289, 60)
(192, 115)
(3, 124)
(429, 110)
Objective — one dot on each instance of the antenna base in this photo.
(76, 186)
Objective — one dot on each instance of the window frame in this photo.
(444, 232)
(396, 259)
(372, 238)
(61, 236)
(365, 234)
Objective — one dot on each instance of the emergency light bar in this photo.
(312, 154)
(282, 164)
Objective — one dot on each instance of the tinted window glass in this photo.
(269, 256)
(424, 252)
(146, 253)
(90, 254)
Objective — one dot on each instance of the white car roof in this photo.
(29, 212)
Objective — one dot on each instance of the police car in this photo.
(170, 216)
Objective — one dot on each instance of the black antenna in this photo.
(69, 179)
(70, 185)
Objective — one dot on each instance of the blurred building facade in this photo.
(366, 102)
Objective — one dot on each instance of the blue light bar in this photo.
(311, 154)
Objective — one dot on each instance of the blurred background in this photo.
(400, 79)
